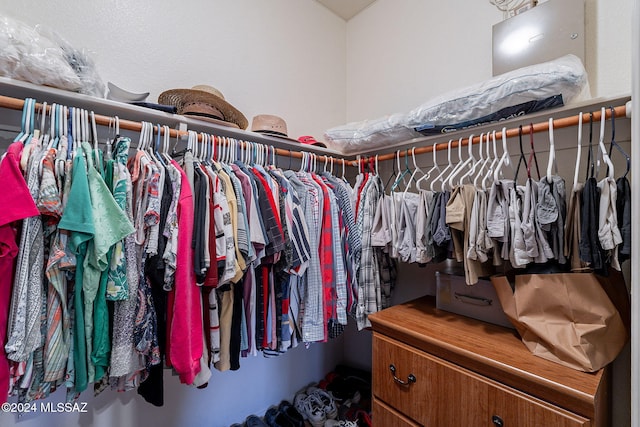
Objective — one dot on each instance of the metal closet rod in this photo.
(18, 104)
(563, 122)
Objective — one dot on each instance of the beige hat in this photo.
(206, 103)
(270, 125)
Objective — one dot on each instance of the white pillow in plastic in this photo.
(562, 79)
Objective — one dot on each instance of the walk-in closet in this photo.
(241, 213)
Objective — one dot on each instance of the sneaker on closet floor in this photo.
(329, 404)
(254, 421)
(311, 408)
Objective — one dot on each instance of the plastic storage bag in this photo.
(40, 56)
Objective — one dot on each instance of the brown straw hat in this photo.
(206, 103)
(270, 125)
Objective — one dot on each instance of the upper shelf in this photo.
(590, 105)
(19, 89)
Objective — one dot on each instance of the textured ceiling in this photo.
(346, 9)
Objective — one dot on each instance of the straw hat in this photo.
(270, 125)
(206, 103)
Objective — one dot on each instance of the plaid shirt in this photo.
(368, 273)
(313, 325)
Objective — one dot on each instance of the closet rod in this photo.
(563, 122)
(18, 104)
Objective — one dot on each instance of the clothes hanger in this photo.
(166, 142)
(522, 158)
(40, 133)
(551, 165)
(578, 151)
(403, 174)
(590, 156)
(603, 149)
(456, 168)
(26, 108)
(482, 162)
(490, 172)
(416, 169)
(393, 174)
(473, 163)
(53, 130)
(616, 145)
(445, 170)
(532, 154)
(467, 163)
(506, 157)
(434, 167)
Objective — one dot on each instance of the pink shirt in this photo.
(17, 204)
(184, 317)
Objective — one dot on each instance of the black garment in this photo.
(273, 234)
(590, 249)
(200, 214)
(236, 326)
(152, 389)
(623, 207)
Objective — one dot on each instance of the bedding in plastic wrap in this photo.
(522, 91)
(40, 56)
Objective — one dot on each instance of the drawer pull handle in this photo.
(471, 299)
(497, 421)
(410, 379)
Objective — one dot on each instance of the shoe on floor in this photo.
(291, 413)
(254, 421)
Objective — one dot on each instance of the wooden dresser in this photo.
(434, 368)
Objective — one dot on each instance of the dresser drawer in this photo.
(434, 392)
(385, 416)
(438, 393)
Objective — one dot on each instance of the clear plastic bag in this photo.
(40, 56)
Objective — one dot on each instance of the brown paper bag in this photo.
(564, 317)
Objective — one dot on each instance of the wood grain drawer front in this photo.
(518, 409)
(439, 396)
(447, 395)
(385, 416)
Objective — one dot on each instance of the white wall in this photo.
(402, 52)
(283, 57)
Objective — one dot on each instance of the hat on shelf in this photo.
(206, 103)
(270, 125)
(309, 140)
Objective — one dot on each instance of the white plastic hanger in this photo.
(505, 159)
(416, 169)
(482, 162)
(488, 177)
(454, 171)
(449, 166)
(552, 165)
(578, 152)
(434, 167)
(603, 149)
(468, 162)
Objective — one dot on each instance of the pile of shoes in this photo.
(351, 390)
(341, 399)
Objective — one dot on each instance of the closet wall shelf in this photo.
(134, 114)
(538, 119)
